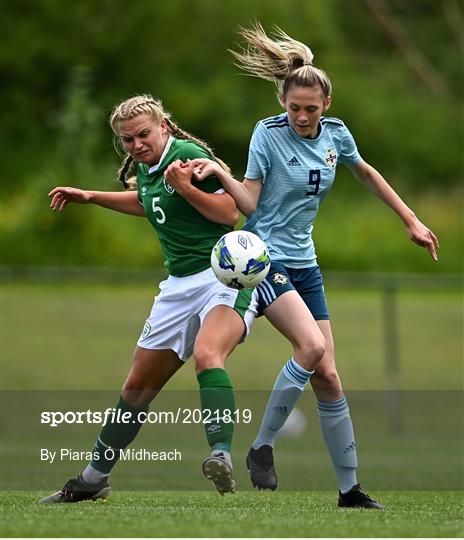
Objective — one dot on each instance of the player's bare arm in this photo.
(417, 231)
(124, 202)
(246, 193)
(217, 207)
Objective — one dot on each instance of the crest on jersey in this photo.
(167, 186)
(331, 158)
(280, 279)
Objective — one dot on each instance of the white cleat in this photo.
(217, 469)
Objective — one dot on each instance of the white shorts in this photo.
(181, 306)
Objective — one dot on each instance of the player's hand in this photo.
(202, 168)
(179, 175)
(62, 196)
(424, 237)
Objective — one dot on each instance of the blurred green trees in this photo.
(396, 68)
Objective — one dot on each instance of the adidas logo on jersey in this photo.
(294, 162)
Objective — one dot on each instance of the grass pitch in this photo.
(245, 514)
(74, 339)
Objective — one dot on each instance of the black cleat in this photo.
(77, 489)
(355, 498)
(260, 464)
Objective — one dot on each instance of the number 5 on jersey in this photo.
(157, 209)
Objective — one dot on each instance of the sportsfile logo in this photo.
(181, 415)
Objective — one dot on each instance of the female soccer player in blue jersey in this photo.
(291, 168)
(193, 313)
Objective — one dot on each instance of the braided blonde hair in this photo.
(148, 105)
(282, 60)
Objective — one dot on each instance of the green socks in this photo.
(116, 435)
(218, 405)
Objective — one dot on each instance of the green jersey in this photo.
(185, 235)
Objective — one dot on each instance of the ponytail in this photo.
(282, 60)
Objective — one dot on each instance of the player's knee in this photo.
(137, 392)
(327, 380)
(207, 357)
(310, 352)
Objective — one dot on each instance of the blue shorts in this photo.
(305, 281)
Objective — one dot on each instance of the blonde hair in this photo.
(148, 105)
(282, 60)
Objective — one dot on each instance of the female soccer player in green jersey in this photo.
(193, 313)
(291, 168)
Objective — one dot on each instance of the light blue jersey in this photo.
(297, 174)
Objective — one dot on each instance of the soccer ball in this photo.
(240, 259)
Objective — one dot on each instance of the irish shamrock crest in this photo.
(167, 186)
